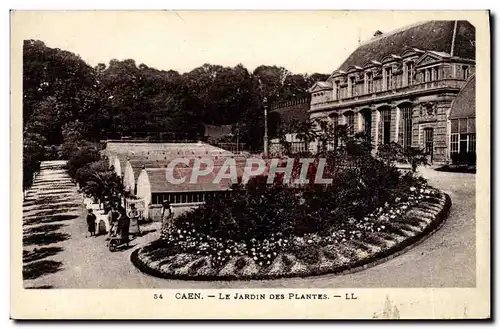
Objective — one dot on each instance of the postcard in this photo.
(250, 165)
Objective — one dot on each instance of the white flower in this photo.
(179, 231)
(268, 262)
(254, 258)
(412, 189)
(309, 241)
(397, 199)
(260, 263)
(228, 251)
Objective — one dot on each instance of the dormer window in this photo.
(337, 90)
(369, 82)
(465, 72)
(388, 78)
(410, 67)
(352, 86)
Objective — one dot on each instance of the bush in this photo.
(260, 211)
(464, 158)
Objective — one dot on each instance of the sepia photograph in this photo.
(201, 155)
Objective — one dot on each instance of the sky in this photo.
(301, 41)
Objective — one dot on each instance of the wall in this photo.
(178, 209)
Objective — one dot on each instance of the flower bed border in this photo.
(439, 218)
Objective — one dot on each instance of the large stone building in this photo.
(400, 86)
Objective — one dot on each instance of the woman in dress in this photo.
(91, 218)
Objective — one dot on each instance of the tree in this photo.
(305, 131)
(104, 185)
(393, 153)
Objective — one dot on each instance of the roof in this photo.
(162, 151)
(139, 164)
(464, 105)
(159, 183)
(431, 36)
(324, 84)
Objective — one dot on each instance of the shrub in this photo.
(260, 211)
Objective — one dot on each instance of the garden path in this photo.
(445, 259)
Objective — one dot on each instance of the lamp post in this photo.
(266, 140)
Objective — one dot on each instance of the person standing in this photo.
(133, 215)
(91, 219)
(123, 225)
(166, 222)
(113, 221)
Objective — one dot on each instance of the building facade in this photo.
(400, 86)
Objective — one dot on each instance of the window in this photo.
(405, 127)
(465, 72)
(350, 121)
(352, 86)
(409, 73)
(436, 73)
(335, 120)
(463, 136)
(337, 90)
(386, 126)
(369, 82)
(388, 78)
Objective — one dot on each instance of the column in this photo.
(395, 118)
(374, 129)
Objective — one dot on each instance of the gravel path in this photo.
(446, 259)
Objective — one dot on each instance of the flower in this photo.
(228, 251)
(412, 189)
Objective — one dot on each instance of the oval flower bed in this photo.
(388, 230)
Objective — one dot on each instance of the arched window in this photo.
(385, 127)
(405, 126)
